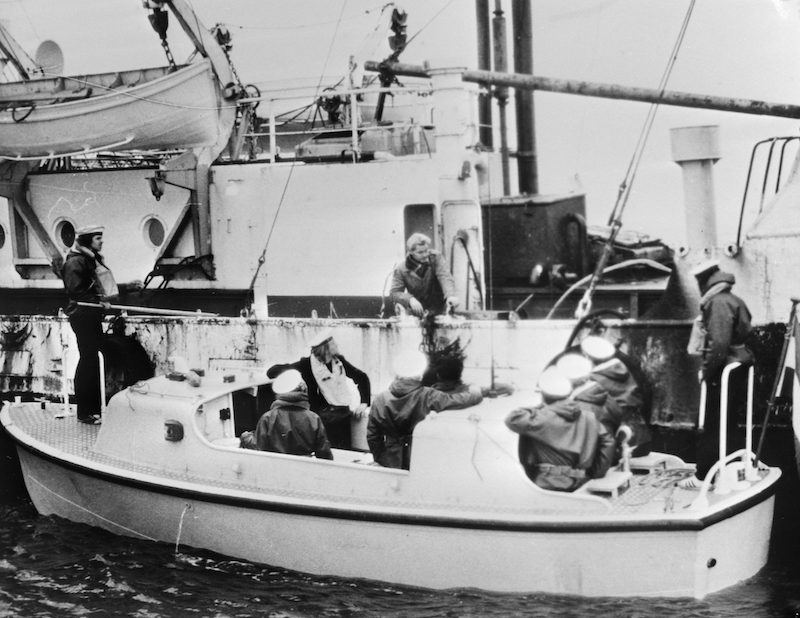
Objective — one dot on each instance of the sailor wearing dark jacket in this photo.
(81, 284)
(422, 282)
(396, 412)
(562, 443)
(289, 426)
(337, 390)
(727, 322)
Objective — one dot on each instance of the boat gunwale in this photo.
(588, 524)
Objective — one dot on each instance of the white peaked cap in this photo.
(410, 364)
(324, 336)
(705, 268)
(286, 382)
(598, 349)
(575, 367)
(554, 384)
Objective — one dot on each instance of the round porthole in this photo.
(65, 232)
(154, 232)
(2, 237)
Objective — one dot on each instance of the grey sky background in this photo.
(735, 48)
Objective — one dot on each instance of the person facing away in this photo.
(337, 390)
(726, 321)
(422, 282)
(289, 426)
(397, 411)
(624, 402)
(87, 280)
(561, 444)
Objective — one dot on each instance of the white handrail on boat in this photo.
(727, 482)
(102, 364)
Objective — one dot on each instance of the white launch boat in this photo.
(165, 466)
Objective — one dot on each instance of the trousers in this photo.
(88, 331)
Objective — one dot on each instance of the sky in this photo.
(734, 48)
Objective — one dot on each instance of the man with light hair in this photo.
(422, 282)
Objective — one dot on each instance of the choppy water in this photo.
(50, 567)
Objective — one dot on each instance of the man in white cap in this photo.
(87, 279)
(624, 403)
(337, 390)
(561, 445)
(395, 412)
(289, 426)
(727, 323)
(422, 282)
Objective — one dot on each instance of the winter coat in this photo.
(624, 403)
(316, 399)
(727, 322)
(396, 412)
(80, 283)
(561, 444)
(431, 289)
(289, 427)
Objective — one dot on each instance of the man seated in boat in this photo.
(591, 387)
(396, 412)
(289, 426)
(337, 390)
(625, 401)
(561, 444)
(422, 282)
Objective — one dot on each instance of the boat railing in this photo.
(725, 469)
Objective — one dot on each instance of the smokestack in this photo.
(696, 149)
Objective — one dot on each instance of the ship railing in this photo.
(352, 95)
(729, 466)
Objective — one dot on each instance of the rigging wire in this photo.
(615, 219)
(330, 49)
(428, 22)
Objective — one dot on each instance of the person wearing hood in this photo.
(337, 390)
(396, 412)
(562, 444)
(625, 401)
(422, 282)
(289, 426)
(726, 321)
(87, 280)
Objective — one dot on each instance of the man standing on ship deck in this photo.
(422, 282)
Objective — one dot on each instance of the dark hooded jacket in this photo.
(395, 413)
(289, 427)
(566, 434)
(624, 402)
(727, 322)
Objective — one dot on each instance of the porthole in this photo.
(2, 237)
(154, 232)
(65, 232)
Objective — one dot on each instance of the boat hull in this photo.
(179, 110)
(593, 558)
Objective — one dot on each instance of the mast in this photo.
(527, 171)
(484, 64)
(501, 91)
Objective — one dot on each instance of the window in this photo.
(65, 232)
(154, 232)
